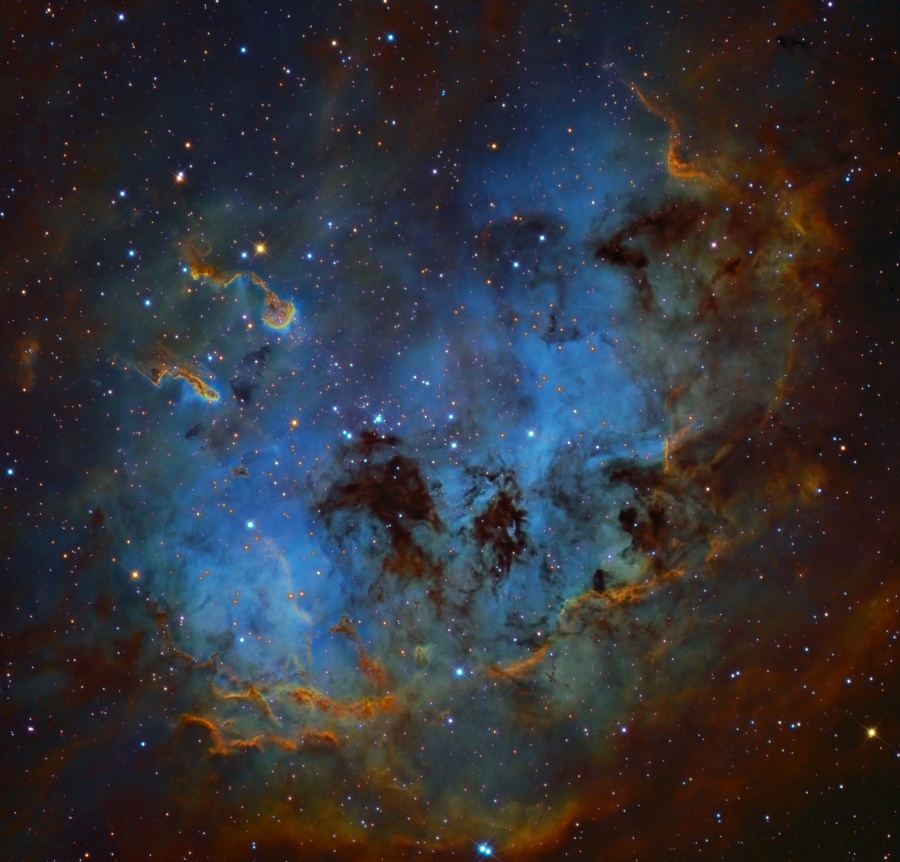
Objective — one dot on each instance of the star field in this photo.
(449, 431)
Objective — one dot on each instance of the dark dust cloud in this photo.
(449, 431)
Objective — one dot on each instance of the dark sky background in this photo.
(449, 431)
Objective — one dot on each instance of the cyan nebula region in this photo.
(448, 434)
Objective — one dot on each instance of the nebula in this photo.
(509, 470)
